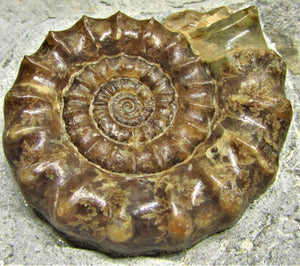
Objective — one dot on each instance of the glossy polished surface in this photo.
(126, 140)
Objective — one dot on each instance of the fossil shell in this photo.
(135, 139)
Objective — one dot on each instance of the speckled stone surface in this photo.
(268, 232)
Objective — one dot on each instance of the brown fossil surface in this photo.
(137, 138)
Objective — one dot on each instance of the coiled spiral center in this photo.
(129, 103)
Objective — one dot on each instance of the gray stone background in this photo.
(268, 232)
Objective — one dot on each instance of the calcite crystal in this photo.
(135, 137)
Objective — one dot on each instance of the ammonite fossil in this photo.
(135, 137)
